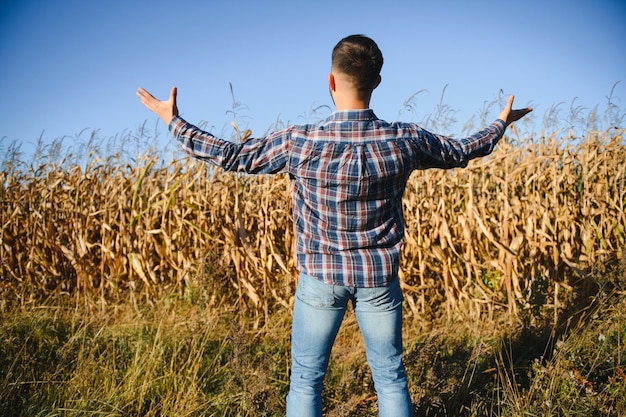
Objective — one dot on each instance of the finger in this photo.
(146, 101)
(144, 93)
(509, 103)
(173, 94)
(142, 97)
(519, 113)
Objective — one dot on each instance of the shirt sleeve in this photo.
(267, 155)
(438, 151)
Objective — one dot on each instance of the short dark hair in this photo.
(360, 58)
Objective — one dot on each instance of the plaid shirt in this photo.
(348, 175)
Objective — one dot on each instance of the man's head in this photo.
(358, 58)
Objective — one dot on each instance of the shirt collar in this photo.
(352, 115)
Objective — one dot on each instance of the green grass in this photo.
(179, 358)
(57, 361)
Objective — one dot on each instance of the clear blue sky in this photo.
(69, 65)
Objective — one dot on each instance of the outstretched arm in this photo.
(267, 155)
(509, 116)
(165, 109)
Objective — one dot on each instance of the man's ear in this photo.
(378, 82)
(331, 82)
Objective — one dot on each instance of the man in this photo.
(348, 175)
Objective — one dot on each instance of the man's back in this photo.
(348, 178)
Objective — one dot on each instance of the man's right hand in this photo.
(166, 109)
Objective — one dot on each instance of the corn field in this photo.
(513, 233)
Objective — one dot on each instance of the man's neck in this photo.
(351, 103)
(344, 95)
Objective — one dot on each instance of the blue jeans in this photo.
(318, 312)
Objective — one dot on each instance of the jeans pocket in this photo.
(315, 293)
(380, 298)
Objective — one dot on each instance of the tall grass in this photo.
(184, 357)
(182, 362)
(131, 286)
(512, 232)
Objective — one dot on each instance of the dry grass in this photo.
(186, 358)
(515, 233)
(140, 289)
(128, 287)
(173, 359)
